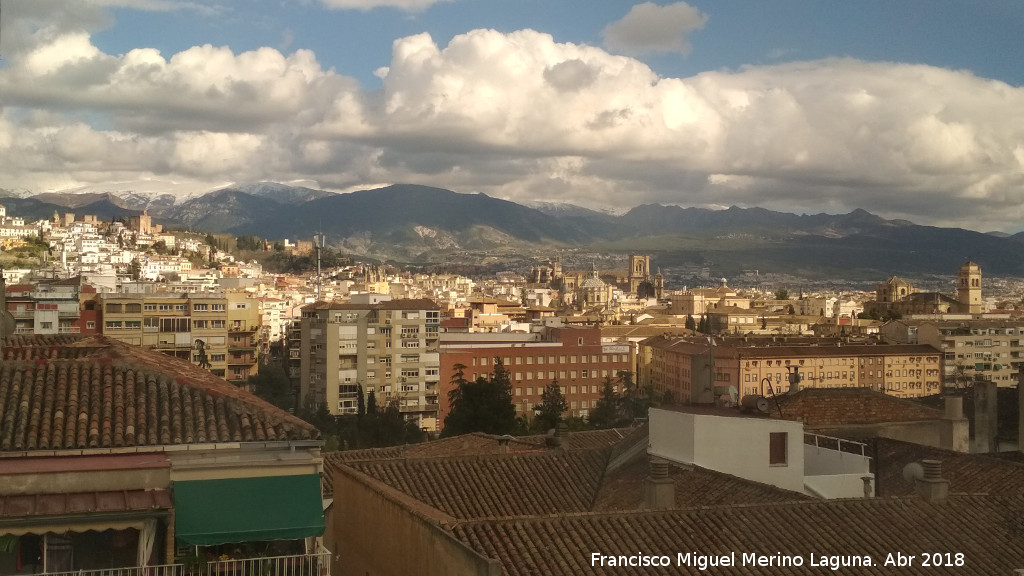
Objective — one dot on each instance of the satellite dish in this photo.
(913, 472)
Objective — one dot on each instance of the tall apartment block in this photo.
(389, 347)
(217, 331)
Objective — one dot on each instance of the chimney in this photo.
(503, 442)
(558, 436)
(954, 407)
(869, 492)
(984, 416)
(794, 380)
(932, 486)
(954, 430)
(659, 489)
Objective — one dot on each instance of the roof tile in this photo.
(108, 395)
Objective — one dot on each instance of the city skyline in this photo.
(910, 111)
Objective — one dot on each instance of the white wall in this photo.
(737, 446)
(822, 461)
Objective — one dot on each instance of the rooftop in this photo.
(72, 393)
(985, 529)
(828, 407)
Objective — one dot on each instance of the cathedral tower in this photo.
(969, 288)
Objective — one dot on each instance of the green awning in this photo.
(208, 512)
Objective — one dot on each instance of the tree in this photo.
(764, 323)
(552, 405)
(633, 401)
(782, 294)
(606, 411)
(135, 270)
(481, 406)
(272, 385)
(703, 326)
(691, 324)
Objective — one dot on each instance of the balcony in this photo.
(417, 408)
(316, 564)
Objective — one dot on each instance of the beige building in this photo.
(896, 297)
(987, 349)
(702, 300)
(388, 347)
(689, 370)
(216, 331)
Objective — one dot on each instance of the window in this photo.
(218, 307)
(90, 325)
(777, 444)
(200, 307)
(114, 308)
(46, 325)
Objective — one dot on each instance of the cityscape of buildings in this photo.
(127, 410)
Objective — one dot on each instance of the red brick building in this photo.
(576, 357)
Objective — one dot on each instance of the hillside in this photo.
(421, 224)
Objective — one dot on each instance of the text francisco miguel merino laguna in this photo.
(704, 561)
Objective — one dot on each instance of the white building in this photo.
(764, 450)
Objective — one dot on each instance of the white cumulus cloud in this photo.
(522, 116)
(649, 28)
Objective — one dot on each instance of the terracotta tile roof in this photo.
(475, 444)
(967, 473)
(24, 347)
(826, 407)
(623, 489)
(585, 440)
(41, 505)
(495, 486)
(987, 530)
(107, 394)
(541, 481)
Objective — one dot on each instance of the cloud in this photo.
(649, 28)
(407, 5)
(521, 116)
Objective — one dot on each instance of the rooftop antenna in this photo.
(318, 244)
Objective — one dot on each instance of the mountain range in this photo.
(413, 223)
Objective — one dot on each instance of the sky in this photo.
(910, 109)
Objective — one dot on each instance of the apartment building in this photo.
(45, 308)
(389, 347)
(972, 349)
(216, 331)
(692, 370)
(574, 356)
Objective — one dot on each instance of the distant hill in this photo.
(221, 211)
(32, 208)
(413, 223)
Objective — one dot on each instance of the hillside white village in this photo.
(137, 431)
